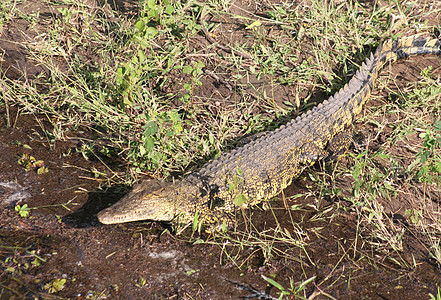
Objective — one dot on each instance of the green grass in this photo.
(143, 83)
(138, 84)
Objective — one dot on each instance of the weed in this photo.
(55, 285)
(295, 290)
(23, 210)
(29, 162)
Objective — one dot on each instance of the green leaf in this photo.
(153, 13)
(224, 226)
(382, 155)
(120, 75)
(197, 68)
(231, 187)
(186, 97)
(276, 284)
(187, 87)
(356, 172)
(254, 24)
(425, 156)
(140, 25)
(195, 221)
(55, 285)
(211, 138)
(149, 144)
(151, 32)
(169, 9)
(36, 262)
(150, 129)
(141, 56)
(42, 170)
(142, 150)
(151, 3)
(187, 69)
(190, 272)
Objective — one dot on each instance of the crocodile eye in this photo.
(157, 193)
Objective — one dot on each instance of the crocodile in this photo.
(263, 167)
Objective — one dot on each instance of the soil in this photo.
(142, 260)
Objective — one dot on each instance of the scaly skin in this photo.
(262, 168)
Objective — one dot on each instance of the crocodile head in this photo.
(148, 200)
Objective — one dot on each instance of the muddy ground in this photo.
(144, 261)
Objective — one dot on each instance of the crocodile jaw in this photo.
(138, 205)
(112, 215)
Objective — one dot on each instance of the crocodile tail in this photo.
(393, 50)
(341, 108)
(387, 52)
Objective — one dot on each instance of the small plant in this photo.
(23, 210)
(415, 216)
(29, 162)
(435, 250)
(55, 285)
(235, 184)
(295, 289)
(141, 282)
(195, 71)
